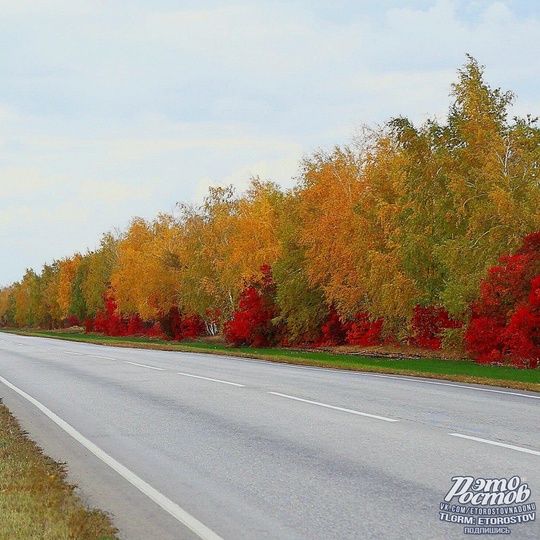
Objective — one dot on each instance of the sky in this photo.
(122, 108)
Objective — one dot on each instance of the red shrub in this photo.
(192, 327)
(252, 320)
(109, 322)
(155, 331)
(485, 339)
(71, 320)
(171, 322)
(530, 245)
(534, 294)
(88, 325)
(179, 327)
(505, 322)
(364, 331)
(333, 330)
(135, 326)
(101, 323)
(522, 338)
(427, 325)
(506, 285)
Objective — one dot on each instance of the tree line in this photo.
(387, 239)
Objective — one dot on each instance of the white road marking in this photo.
(335, 408)
(282, 365)
(495, 443)
(101, 357)
(144, 365)
(201, 530)
(73, 353)
(210, 379)
(414, 379)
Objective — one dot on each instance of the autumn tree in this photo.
(466, 192)
(67, 274)
(389, 290)
(254, 233)
(387, 238)
(28, 300)
(99, 267)
(50, 311)
(329, 190)
(424, 217)
(7, 305)
(206, 231)
(226, 240)
(78, 310)
(302, 305)
(491, 167)
(144, 278)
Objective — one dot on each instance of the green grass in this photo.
(36, 503)
(431, 366)
(456, 370)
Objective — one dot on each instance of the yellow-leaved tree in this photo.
(144, 278)
(330, 188)
(492, 168)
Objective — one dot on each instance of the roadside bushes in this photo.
(255, 321)
(71, 320)
(364, 331)
(360, 331)
(252, 322)
(333, 330)
(171, 325)
(505, 323)
(178, 327)
(428, 325)
(108, 321)
(504, 326)
(135, 326)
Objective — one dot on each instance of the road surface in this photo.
(181, 445)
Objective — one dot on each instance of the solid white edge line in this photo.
(495, 443)
(210, 379)
(411, 378)
(415, 379)
(202, 531)
(335, 408)
(144, 365)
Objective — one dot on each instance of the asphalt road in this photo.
(179, 445)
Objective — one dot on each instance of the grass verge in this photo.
(436, 368)
(35, 500)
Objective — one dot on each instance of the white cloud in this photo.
(70, 212)
(15, 216)
(20, 180)
(278, 170)
(66, 213)
(38, 7)
(114, 192)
